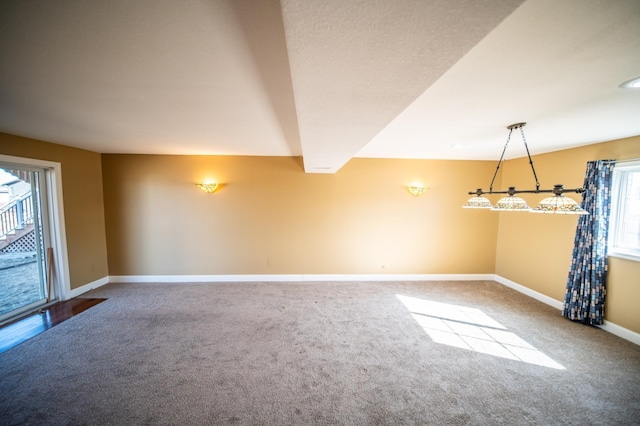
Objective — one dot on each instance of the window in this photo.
(624, 231)
(49, 189)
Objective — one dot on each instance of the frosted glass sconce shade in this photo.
(209, 188)
(417, 190)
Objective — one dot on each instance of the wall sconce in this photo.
(417, 190)
(209, 188)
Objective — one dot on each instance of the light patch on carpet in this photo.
(472, 329)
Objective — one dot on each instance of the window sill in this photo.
(627, 256)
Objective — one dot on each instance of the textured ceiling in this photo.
(327, 80)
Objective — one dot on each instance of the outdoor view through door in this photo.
(23, 240)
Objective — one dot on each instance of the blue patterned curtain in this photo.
(586, 289)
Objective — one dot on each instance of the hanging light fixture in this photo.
(556, 204)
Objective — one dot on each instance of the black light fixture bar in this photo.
(557, 190)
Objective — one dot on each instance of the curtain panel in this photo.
(586, 284)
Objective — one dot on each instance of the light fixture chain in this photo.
(535, 176)
(500, 162)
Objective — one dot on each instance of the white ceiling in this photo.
(325, 79)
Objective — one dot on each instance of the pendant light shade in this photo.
(511, 203)
(478, 202)
(559, 204)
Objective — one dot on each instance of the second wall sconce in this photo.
(207, 187)
(417, 190)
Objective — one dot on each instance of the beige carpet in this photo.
(320, 353)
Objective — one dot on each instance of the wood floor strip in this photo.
(14, 333)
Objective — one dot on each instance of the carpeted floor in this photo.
(320, 353)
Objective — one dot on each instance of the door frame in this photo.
(60, 280)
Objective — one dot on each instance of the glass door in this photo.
(24, 240)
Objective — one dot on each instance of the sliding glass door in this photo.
(24, 240)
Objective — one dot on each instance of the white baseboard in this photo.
(296, 278)
(202, 278)
(531, 293)
(622, 332)
(608, 326)
(87, 287)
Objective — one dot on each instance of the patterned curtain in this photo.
(586, 289)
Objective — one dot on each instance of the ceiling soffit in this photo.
(356, 65)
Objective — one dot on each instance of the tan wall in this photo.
(535, 249)
(83, 203)
(272, 218)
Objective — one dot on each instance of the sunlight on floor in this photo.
(472, 329)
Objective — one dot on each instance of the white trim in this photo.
(88, 287)
(61, 284)
(622, 255)
(59, 234)
(297, 278)
(531, 293)
(622, 332)
(620, 186)
(201, 278)
(397, 277)
(608, 326)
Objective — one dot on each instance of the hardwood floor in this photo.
(14, 333)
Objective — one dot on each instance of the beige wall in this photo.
(83, 203)
(535, 249)
(272, 218)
